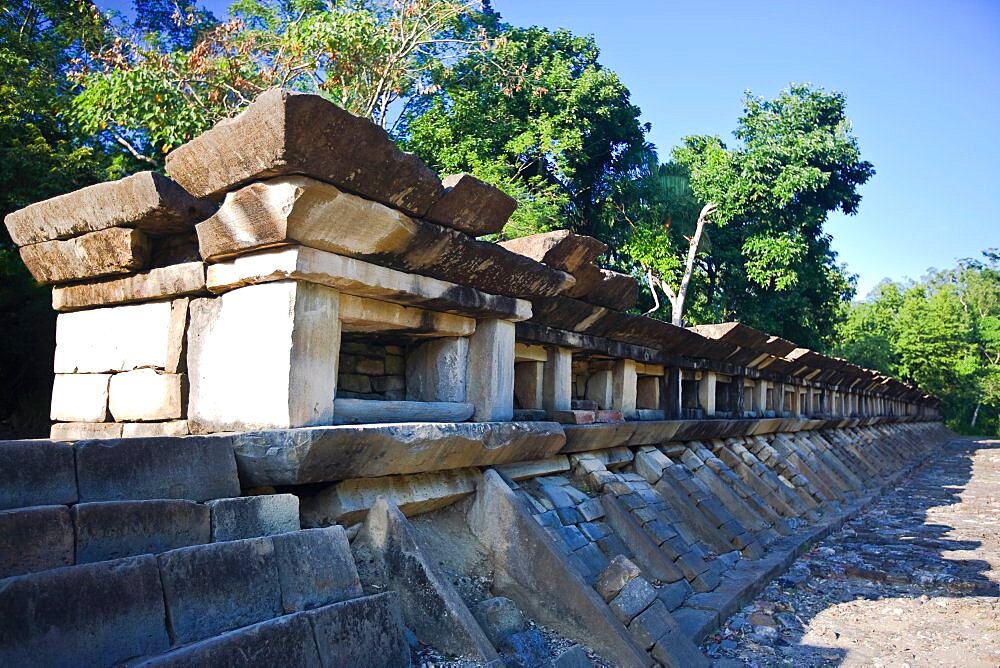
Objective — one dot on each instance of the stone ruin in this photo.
(303, 416)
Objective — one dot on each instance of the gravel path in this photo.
(913, 581)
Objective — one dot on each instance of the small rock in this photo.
(499, 618)
(618, 573)
(574, 657)
(526, 650)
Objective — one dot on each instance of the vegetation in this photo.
(88, 96)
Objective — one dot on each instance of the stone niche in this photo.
(371, 370)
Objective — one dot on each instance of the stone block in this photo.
(147, 201)
(609, 417)
(591, 509)
(619, 572)
(285, 641)
(364, 315)
(674, 594)
(105, 253)
(500, 618)
(196, 469)
(214, 588)
(121, 338)
(364, 632)
(571, 417)
(176, 280)
(647, 552)
(149, 429)
(252, 516)
(652, 624)
(315, 568)
(634, 597)
(647, 393)
(623, 380)
(526, 649)
(374, 411)
(574, 657)
(490, 371)
(558, 383)
(116, 529)
(593, 559)
(285, 375)
(601, 389)
(471, 206)
(604, 288)
(146, 395)
(435, 370)
(282, 132)
(560, 249)
(80, 397)
(529, 385)
(95, 614)
(696, 624)
(650, 463)
(534, 468)
(356, 277)
(676, 651)
(79, 431)
(35, 539)
(36, 473)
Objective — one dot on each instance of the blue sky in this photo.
(922, 81)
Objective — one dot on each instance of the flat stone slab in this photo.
(35, 539)
(192, 468)
(115, 250)
(36, 473)
(471, 206)
(116, 529)
(560, 249)
(147, 201)
(361, 633)
(252, 516)
(315, 568)
(187, 278)
(282, 132)
(328, 454)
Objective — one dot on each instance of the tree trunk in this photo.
(975, 414)
(677, 313)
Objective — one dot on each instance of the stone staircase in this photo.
(122, 553)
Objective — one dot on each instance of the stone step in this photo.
(116, 611)
(44, 537)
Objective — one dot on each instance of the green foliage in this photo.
(942, 333)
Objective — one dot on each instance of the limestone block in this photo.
(623, 390)
(560, 249)
(375, 411)
(529, 383)
(146, 429)
(147, 201)
(35, 539)
(176, 280)
(558, 386)
(348, 502)
(284, 375)
(706, 392)
(79, 431)
(122, 338)
(360, 314)
(315, 568)
(116, 529)
(282, 132)
(100, 614)
(600, 388)
(196, 469)
(80, 397)
(436, 370)
(36, 473)
(471, 206)
(489, 384)
(105, 253)
(356, 277)
(147, 395)
(647, 392)
(318, 215)
(365, 632)
(252, 516)
(214, 588)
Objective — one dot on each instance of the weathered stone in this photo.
(327, 454)
(374, 411)
(360, 314)
(79, 431)
(148, 429)
(674, 594)
(348, 502)
(532, 571)
(318, 215)
(35, 539)
(285, 641)
(571, 417)
(115, 529)
(694, 623)
(604, 288)
(527, 649)
(282, 132)
(647, 552)
(574, 657)
(558, 386)
(36, 473)
(315, 568)
(652, 624)
(147, 395)
(623, 380)
(147, 201)
(252, 516)
(489, 380)
(176, 280)
(471, 206)
(600, 388)
(560, 249)
(364, 632)
(634, 597)
(122, 338)
(211, 589)
(105, 253)
(591, 509)
(676, 651)
(613, 416)
(499, 618)
(536, 467)
(197, 469)
(435, 370)
(430, 605)
(650, 463)
(529, 385)
(620, 572)
(80, 397)
(288, 379)
(95, 614)
(356, 277)
(647, 393)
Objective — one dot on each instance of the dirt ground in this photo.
(913, 581)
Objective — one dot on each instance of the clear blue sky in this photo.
(922, 81)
